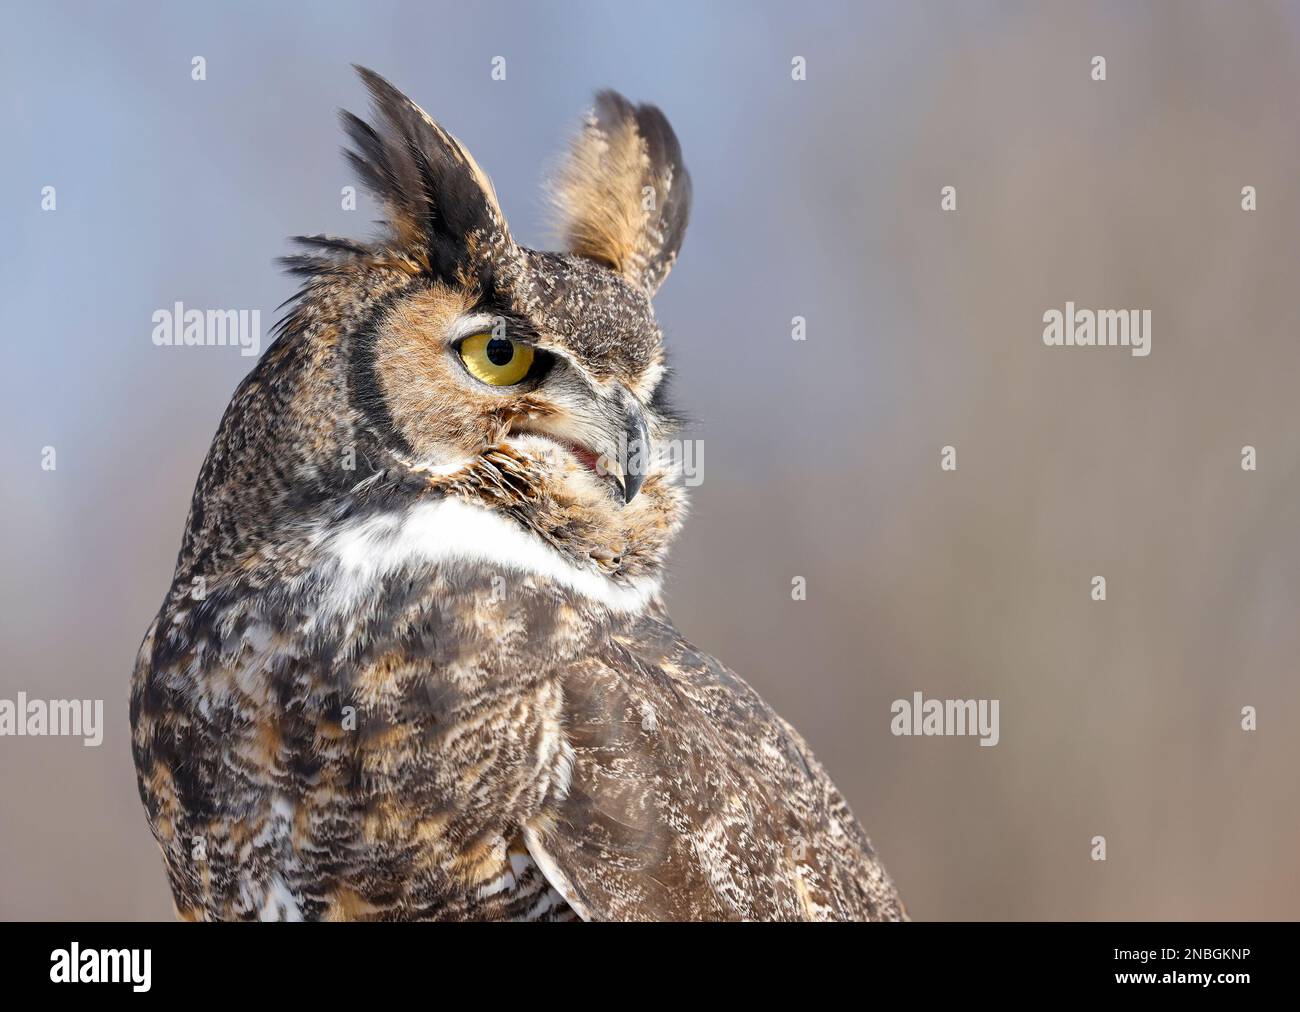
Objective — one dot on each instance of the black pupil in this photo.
(500, 351)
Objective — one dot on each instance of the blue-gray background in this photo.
(818, 199)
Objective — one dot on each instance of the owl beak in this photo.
(608, 434)
(635, 447)
(626, 443)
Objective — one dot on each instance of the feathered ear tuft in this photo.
(623, 196)
(440, 205)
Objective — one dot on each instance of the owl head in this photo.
(444, 359)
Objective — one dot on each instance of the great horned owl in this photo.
(414, 661)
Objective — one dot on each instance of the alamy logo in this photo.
(921, 716)
(73, 718)
(1101, 328)
(219, 328)
(678, 458)
(75, 965)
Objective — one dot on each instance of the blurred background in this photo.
(816, 198)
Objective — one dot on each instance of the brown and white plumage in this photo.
(414, 662)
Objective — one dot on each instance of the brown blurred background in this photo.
(818, 199)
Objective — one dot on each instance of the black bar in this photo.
(335, 960)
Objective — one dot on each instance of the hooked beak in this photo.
(635, 446)
(607, 433)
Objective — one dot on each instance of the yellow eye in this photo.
(497, 361)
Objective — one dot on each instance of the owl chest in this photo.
(399, 763)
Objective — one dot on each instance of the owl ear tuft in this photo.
(440, 205)
(623, 195)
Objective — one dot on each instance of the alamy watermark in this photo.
(75, 965)
(213, 328)
(1101, 328)
(949, 717)
(70, 718)
(682, 458)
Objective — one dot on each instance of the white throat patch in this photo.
(453, 531)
